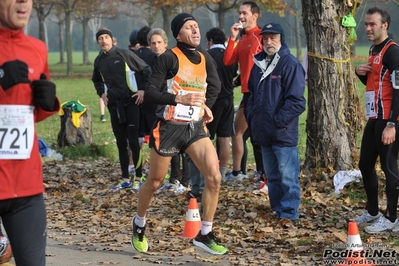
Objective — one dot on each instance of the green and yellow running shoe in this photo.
(210, 243)
(139, 240)
(136, 185)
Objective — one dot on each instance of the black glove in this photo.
(237, 81)
(12, 73)
(44, 93)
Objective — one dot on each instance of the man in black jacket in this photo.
(120, 78)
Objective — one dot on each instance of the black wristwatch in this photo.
(391, 124)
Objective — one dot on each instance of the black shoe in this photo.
(210, 243)
(191, 195)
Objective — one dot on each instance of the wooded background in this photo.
(335, 115)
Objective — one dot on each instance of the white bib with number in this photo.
(16, 131)
(370, 104)
(185, 112)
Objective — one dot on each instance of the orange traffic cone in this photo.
(193, 220)
(354, 248)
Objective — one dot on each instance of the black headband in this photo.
(101, 32)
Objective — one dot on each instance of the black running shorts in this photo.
(169, 138)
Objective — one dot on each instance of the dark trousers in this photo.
(127, 134)
(371, 149)
(197, 180)
(175, 169)
(24, 221)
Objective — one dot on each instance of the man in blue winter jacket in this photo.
(278, 82)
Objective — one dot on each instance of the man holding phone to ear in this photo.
(249, 45)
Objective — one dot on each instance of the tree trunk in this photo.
(222, 8)
(94, 24)
(43, 9)
(68, 22)
(166, 23)
(334, 113)
(297, 30)
(41, 19)
(70, 135)
(221, 17)
(85, 23)
(62, 47)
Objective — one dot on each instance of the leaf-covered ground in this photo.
(82, 211)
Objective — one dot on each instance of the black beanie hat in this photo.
(103, 31)
(179, 21)
(133, 38)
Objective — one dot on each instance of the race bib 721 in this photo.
(16, 131)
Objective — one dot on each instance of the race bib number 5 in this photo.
(185, 112)
(16, 131)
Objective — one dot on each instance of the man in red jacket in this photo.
(242, 53)
(26, 97)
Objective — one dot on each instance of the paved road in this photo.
(63, 255)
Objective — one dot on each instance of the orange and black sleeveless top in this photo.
(190, 78)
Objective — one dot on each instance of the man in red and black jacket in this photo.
(26, 97)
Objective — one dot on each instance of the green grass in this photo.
(80, 87)
(77, 58)
(362, 51)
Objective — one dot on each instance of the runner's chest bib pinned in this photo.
(16, 131)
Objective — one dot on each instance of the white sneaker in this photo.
(256, 175)
(180, 190)
(395, 231)
(365, 217)
(164, 187)
(382, 225)
(174, 185)
(239, 177)
(262, 189)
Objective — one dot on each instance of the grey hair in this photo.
(157, 31)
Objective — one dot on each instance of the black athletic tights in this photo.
(371, 148)
(127, 134)
(24, 221)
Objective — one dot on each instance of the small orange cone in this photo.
(354, 248)
(193, 220)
